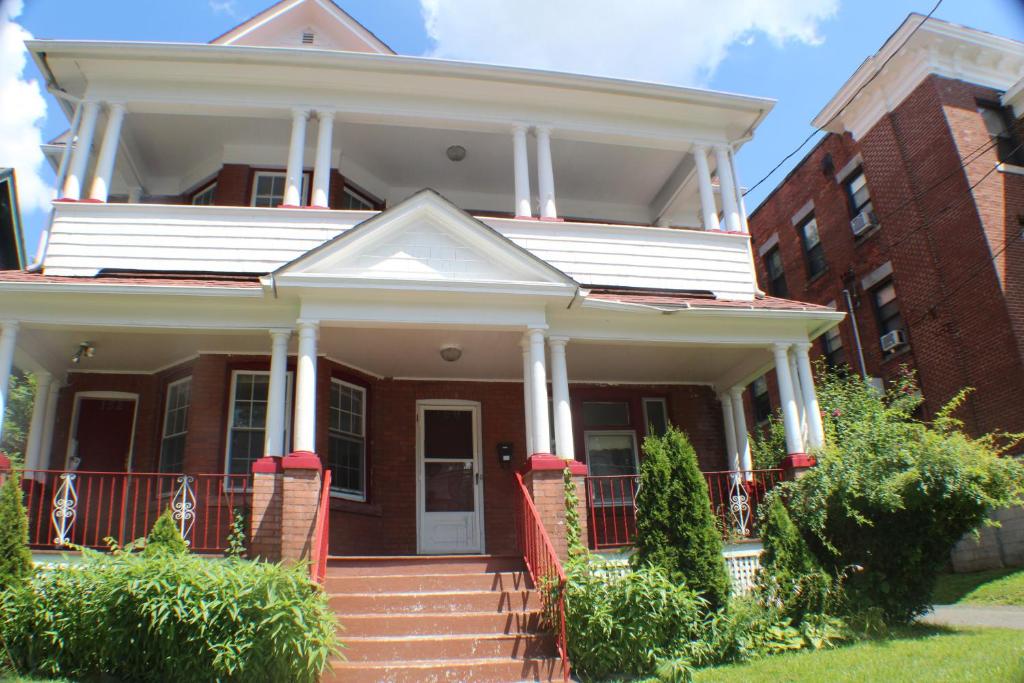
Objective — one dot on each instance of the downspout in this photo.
(856, 334)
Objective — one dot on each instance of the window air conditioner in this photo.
(862, 222)
(893, 340)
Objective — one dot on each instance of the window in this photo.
(204, 197)
(172, 446)
(353, 200)
(832, 342)
(610, 448)
(857, 193)
(247, 421)
(815, 255)
(346, 451)
(655, 416)
(887, 309)
(268, 188)
(761, 400)
(1000, 124)
(776, 275)
(605, 414)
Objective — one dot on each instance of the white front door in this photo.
(448, 477)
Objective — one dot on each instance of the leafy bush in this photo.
(237, 535)
(890, 495)
(15, 557)
(17, 415)
(675, 528)
(164, 537)
(768, 443)
(163, 616)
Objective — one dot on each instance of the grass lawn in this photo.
(993, 587)
(912, 655)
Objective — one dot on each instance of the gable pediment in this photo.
(424, 241)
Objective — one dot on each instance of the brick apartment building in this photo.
(908, 215)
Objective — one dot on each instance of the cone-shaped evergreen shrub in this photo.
(675, 528)
(164, 537)
(785, 551)
(15, 557)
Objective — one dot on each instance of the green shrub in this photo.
(573, 533)
(15, 557)
(164, 617)
(626, 623)
(675, 528)
(164, 537)
(768, 443)
(890, 495)
(17, 416)
(237, 535)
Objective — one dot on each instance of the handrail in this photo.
(321, 532)
(543, 565)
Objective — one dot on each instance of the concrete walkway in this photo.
(976, 615)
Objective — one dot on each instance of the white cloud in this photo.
(669, 41)
(224, 7)
(21, 114)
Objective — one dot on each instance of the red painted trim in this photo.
(67, 200)
(797, 460)
(91, 201)
(545, 462)
(551, 220)
(301, 460)
(291, 206)
(268, 464)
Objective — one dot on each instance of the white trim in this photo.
(344, 364)
(422, 405)
(163, 430)
(229, 416)
(1003, 167)
(72, 446)
(338, 492)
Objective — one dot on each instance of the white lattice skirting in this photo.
(742, 559)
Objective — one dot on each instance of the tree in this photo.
(15, 557)
(164, 537)
(675, 527)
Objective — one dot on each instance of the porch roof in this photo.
(676, 300)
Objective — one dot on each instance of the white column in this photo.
(789, 414)
(539, 392)
(37, 424)
(297, 147)
(305, 388)
(739, 192)
(798, 392)
(707, 195)
(730, 208)
(8, 337)
(80, 154)
(65, 157)
(48, 427)
(815, 430)
(545, 174)
(277, 392)
(322, 165)
(730, 431)
(746, 459)
(521, 160)
(108, 153)
(527, 394)
(560, 399)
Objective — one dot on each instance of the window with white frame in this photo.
(354, 200)
(610, 443)
(268, 188)
(655, 416)
(247, 421)
(172, 445)
(204, 197)
(346, 450)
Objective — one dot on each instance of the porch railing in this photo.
(321, 532)
(735, 498)
(545, 570)
(69, 508)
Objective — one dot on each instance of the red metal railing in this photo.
(84, 508)
(321, 532)
(545, 570)
(735, 497)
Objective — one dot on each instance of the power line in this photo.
(843, 108)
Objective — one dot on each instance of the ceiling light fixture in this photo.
(456, 153)
(451, 352)
(85, 349)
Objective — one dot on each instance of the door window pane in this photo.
(448, 486)
(448, 434)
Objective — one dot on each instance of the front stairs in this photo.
(438, 618)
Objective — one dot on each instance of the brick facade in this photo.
(963, 314)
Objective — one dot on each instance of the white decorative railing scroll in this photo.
(65, 504)
(183, 507)
(739, 506)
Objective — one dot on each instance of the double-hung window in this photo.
(346, 450)
(611, 450)
(776, 275)
(832, 343)
(172, 444)
(655, 416)
(887, 309)
(857, 193)
(813, 250)
(761, 400)
(268, 188)
(354, 200)
(247, 420)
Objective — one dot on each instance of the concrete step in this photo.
(496, 670)
(440, 601)
(411, 583)
(461, 648)
(438, 623)
(422, 564)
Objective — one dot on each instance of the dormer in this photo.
(315, 24)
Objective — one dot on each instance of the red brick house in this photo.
(294, 241)
(908, 215)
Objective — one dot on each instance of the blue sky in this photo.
(798, 52)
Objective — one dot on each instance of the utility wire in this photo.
(843, 108)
